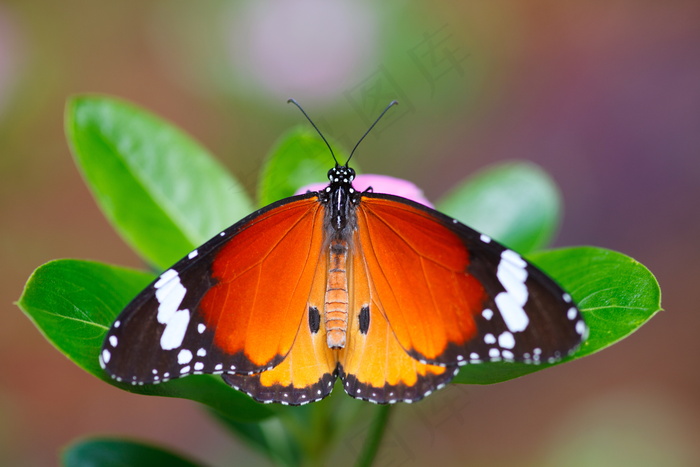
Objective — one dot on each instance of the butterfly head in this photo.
(341, 175)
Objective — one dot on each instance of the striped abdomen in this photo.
(336, 303)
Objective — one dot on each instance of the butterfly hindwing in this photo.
(307, 374)
(374, 366)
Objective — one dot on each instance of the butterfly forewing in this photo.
(211, 312)
(453, 296)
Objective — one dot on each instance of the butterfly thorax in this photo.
(341, 199)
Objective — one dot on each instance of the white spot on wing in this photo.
(514, 258)
(165, 277)
(169, 292)
(185, 356)
(193, 254)
(513, 314)
(581, 328)
(512, 274)
(485, 238)
(106, 355)
(506, 340)
(175, 330)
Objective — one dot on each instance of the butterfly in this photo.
(383, 293)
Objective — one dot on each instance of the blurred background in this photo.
(604, 95)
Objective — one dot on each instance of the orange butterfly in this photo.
(384, 293)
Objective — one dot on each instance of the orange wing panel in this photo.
(418, 270)
(308, 371)
(265, 274)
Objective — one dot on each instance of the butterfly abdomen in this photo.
(336, 303)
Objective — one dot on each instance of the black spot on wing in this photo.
(364, 319)
(314, 319)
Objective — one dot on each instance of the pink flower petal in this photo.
(379, 184)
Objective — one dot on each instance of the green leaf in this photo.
(73, 303)
(615, 294)
(109, 452)
(299, 158)
(160, 189)
(516, 203)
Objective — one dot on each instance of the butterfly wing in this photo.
(451, 295)
(426, 294)
(234, 305)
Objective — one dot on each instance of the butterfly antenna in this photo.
(293, 101)
(391, 104)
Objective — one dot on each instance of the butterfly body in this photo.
(388, 295)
